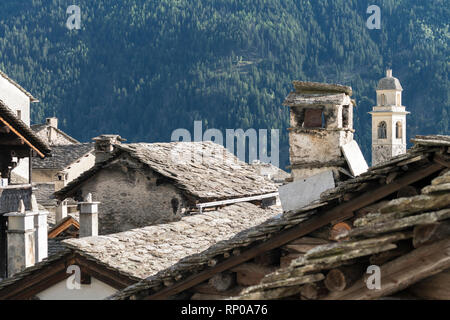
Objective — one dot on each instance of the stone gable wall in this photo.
(132, 197)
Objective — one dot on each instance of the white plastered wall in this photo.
(97, 290)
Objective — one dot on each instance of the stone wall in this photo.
(44, 193)
(132, 196)
(316, 145)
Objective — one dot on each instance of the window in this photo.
(382, 130)
(19, 114)
(383, 99)
(345, 116)
(314, 118)
(398, 130)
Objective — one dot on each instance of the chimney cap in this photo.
(305, 87)
(109, 137)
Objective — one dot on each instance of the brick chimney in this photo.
(88, 217)
(21, 239)
(104, 146)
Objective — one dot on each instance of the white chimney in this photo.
(41, 233)
(88, 217)
(61, 211)
(20, 239)
(53, 122)
(389, 73)
(104, 146)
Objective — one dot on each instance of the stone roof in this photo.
(424, 151)
(319, 87)
(21, 127)
(144, 252)
(374, 235)
(63, 155)
(32, 99)
(274, 173)
(389, 83)
(42, 126)
(203, 170)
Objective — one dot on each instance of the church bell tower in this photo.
(388, 120)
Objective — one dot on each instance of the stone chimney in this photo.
(53, 122)
(88, 217)
(41, 233)
(53, 125)
(321, 118)
(61, 211)
(389, 73)
(20, 239)
(104, 146)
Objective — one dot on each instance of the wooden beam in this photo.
(40, 280)
(442, 160)
(69, 221)
(402, 272)
(340, 212)
(22, 137)
(433, 288)
(108, 276)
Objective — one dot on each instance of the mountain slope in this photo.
(145, 68)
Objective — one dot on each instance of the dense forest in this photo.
(143, 68)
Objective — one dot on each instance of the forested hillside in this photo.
(144, 68)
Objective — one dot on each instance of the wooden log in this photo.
(341, 278)
(401, 273)
(212, 262)
(249, 274)
(426, 234)
(313, 291)
(338, 230)
(222, 281)
(436, 287)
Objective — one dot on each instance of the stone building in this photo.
(50, 133)
(161, 181)
(321, 118)
(18, 100)
(112, 262)
(17, 141)
(67, 162)
(388, 120)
